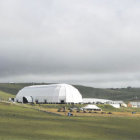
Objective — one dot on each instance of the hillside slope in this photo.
(113, 94)
(5, 96)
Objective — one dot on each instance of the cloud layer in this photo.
(85, 42)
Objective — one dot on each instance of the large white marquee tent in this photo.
(55, 93)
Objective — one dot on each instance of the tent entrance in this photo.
(62, 102)
(25, 100)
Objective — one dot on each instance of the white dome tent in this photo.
(54, 93)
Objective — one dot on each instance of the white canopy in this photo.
(115, 105)
(91, 107)
(55, 93)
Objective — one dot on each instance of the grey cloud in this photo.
(69, 39)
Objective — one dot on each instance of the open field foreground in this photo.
(19, 123)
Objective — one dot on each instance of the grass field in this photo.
(5, 96)
(19, 123)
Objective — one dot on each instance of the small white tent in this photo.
(116, 105)
(135, 104)
(92, 107)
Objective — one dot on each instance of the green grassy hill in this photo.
(20, 123)
(125, 94)
(5, 96)
(12, 88)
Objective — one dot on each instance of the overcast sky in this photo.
(89, 42)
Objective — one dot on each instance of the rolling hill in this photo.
(126, 94)
(5, 96)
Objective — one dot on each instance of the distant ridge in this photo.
(125, 94)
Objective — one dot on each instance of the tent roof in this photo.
(115, 105)
(53, 93)
(91, 107)
(49, 85)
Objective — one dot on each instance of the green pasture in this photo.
(5, 96)
(20, 123)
